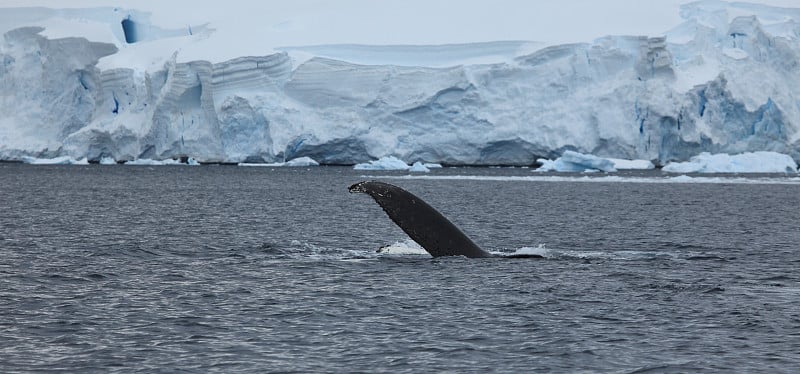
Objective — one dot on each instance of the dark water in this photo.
(229, 269)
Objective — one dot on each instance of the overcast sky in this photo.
(241, 24)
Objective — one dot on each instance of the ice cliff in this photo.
(723, 81)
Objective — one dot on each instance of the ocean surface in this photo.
(234, 269)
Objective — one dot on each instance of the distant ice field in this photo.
(652, 178)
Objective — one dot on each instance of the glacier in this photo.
(749, 162)
(721, 81)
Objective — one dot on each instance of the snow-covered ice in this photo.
(63, 160)
(751, 162)
(621, 164)
(480, 83)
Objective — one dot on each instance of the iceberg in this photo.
(572, 161)
(394, 163)
(301, 162)
(419, 167)
(297, 162)
(384, 163)
(750, 162)
(130, 84)
(151, 162)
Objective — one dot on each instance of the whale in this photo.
(420, 221)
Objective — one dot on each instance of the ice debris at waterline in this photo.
(394, 163)
(751, 162)
(157, 93)
(297, 162)
(572, 161)
(108, 161)
(149, 162)
(621, 164)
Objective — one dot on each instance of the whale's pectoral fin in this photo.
(424, 224)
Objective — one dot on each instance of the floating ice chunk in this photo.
(301, 161)
(151, 162)
(256, 164)
(419, 167)
(297, 162)
(108, 161)
(432, 165)
(621, 164)
(384, 163)
(577, 162)
(547, 165)
(682, 178)
(751, 162)
(63, 160)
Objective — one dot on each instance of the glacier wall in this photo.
(720, 82)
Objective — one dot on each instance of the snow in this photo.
(750, 162)
(480, 83)
(572, 161)
(735, 53)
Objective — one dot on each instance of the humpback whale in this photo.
(424, 224)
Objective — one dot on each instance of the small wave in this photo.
(95, 276)
(776, 278)
(606, 255)
(706, 258)
(405, 247)
(539, 250)
(296, 249)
